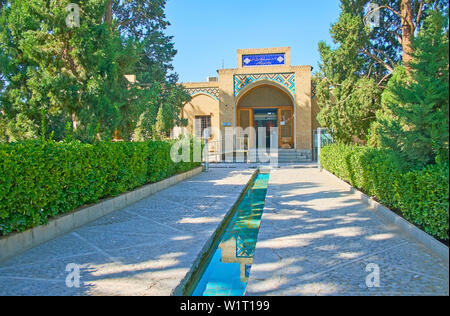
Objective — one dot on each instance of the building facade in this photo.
(265, 90)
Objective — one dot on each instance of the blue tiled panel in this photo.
(263, 60)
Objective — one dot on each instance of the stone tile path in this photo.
(144, 249)
(317, 239)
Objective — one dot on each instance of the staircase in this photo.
(285, 156)
(291, 156)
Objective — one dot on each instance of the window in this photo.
(202, 123)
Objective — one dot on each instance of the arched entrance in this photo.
(267, 105)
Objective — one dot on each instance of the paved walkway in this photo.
(144, 249)
(317, 239)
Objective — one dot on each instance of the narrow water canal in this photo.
(228, 269)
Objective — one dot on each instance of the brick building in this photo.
(265, 90)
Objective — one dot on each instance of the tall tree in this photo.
(70, 74)
(145, 22)
(78, 74)
(415, 116)
(364, 58)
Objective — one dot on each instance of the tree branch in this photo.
(392, 64)
(383, 7)
(391, 9)
(376, 58)
(383, 79)
(419, 14)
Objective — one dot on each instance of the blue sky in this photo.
(208, 32)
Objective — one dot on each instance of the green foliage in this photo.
(415, 116)
(49, 66)
(353, 72)
(348, 109)
(347, 83)
(424, 199)
(420, 194)
(78, 74)
(39, 180)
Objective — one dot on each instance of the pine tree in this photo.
(353, 73)
(78, 74)
(414, 119)
(72, 74)
(145, 22)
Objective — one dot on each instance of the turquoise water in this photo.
(228, 270)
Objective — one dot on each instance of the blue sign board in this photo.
(263, 60)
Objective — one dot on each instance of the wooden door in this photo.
(286, 127)
(244, 120)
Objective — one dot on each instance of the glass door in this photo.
(267, 118)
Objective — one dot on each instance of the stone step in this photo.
(287, 160)
(284, 156)
(292, 160)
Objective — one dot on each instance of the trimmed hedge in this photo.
(422, 196)
(39, 180)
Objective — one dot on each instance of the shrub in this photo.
(39, 180)
(420, 195)
(424, 198)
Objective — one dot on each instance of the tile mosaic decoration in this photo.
(285, 79)
(212, 92)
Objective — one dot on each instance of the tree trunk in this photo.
(117, 136)
(74, 121)
(109, 14)
(407, 32)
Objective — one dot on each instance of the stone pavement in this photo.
(318, 239)
(315, 239)
(144, 249)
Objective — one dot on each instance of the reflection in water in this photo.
(228, 271)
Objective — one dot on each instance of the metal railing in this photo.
(216, 153)
(213, 153)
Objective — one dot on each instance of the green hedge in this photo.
(39, 180)
(422, 196)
